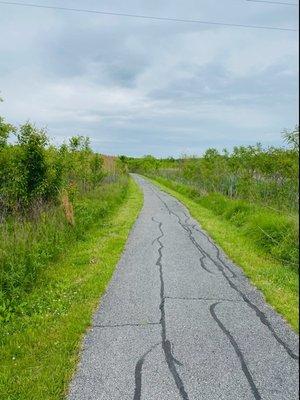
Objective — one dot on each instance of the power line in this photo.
(82, 10)
(273, 2)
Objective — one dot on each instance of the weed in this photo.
(67, 207)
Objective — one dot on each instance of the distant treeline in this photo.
(262, 175)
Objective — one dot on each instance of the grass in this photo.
(278, 281)
(28, 244)
(40, 345)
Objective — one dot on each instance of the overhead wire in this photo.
(148, 17)
(273, 2)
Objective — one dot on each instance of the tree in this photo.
(292, 138)
(79, 143)
(33, 161)
(5, 130)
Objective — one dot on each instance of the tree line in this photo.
(264, 175)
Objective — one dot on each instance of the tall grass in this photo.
(265, 176)
(49, 198)
(39, 346)
(27, 246)
(65, 213)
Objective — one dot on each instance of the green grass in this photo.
(40, 345)
(27, 245)
(277, 280)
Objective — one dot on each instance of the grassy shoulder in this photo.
(40, 347)
(277, 281)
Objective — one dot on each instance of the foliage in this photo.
(58, 207)
(147, 164)
(46, 193)
(292, 138)
(27, 246)
(39, 346)
(5, 130)
(79, 143)
(33, 173)
(252, 188)
(32, 162)
(264, 176)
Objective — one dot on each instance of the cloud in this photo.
(138, 86)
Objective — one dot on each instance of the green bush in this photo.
(5, 131)
(49, 198)
(33, 173)
(263, 176)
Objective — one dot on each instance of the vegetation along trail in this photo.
(181, 321)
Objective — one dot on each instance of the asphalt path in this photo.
(180, 321)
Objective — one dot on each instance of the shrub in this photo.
(49, 197)
(263, 176)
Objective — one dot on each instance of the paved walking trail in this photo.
(180, 321)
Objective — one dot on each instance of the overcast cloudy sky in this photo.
(139, 86)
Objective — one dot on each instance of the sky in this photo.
(138, 86)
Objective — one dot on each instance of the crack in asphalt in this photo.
(201, 299)
(263, 318)
(260, 314)
(191, 237)
(194, 226)
(187, 227)
(124, 325)
(204, 253)
(138, 373)
(234, 275)
(237, 351)
(166, 344)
